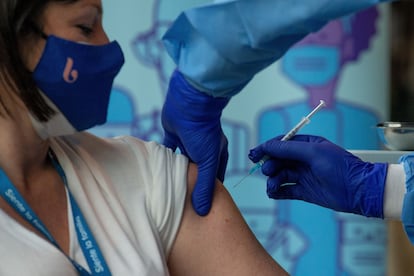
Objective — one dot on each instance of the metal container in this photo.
(397, 135)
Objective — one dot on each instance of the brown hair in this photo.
(18, 21)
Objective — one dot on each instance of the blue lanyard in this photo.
(90, 249)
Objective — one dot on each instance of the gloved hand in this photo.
(324, 173)
(191, 122)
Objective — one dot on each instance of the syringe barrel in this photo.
(294, 130)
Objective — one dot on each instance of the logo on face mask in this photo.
(81, 95)
(70, 75)
(311, 65)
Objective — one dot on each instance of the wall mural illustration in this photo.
(305, 239)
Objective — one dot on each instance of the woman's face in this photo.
(80, 21)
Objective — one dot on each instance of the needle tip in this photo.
(240, 181)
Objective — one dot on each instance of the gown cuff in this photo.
(394, 191)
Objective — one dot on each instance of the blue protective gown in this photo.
(221, 46)
(407, 216)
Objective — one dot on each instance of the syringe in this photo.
(288, 135)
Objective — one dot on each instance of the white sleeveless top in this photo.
(132, 195)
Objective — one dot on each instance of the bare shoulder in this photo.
(220, 243)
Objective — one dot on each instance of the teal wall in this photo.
(332, 65)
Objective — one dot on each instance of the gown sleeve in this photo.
(407, 216)
(222, 45)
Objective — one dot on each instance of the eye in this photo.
(86, 30)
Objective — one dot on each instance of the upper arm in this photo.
(220, 243)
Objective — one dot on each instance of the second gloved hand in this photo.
(323, 173)
(191, 121)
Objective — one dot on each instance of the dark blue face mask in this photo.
(77, 78)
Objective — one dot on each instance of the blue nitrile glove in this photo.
(325, 174)
(191, 121)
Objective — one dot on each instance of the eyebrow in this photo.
(92, 8)
(99, 8)
(96, 7)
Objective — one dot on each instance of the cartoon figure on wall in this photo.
(315, 65)
(271, 221)
(148, 46)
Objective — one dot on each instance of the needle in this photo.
(305, 120)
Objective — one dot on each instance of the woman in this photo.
(73, 203)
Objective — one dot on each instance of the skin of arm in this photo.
(220, 243)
